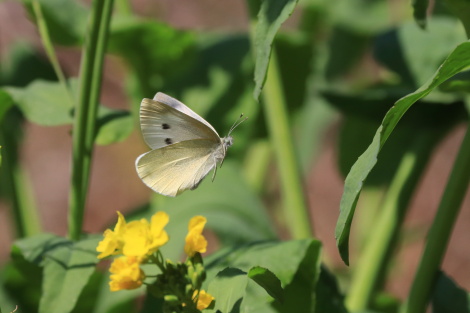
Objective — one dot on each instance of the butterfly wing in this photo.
(172, 169)
(163, 125)
(174, 103)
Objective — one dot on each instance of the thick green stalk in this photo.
(372, 265)
(275, 110)
(84, 128)
(440, 231)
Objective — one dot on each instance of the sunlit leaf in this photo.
(43, 102)
(266, 279)
(457, 61)
(228, 288)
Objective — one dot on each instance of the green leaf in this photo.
(67, 267)
(66, 20)
(6, 103)
(67, 270)
(43, 102)
(159, 52)
(266, 279)
(419, 12)
(448, 297)
(228, 289)
(294, 263)
(457, 61)
(328, 297)
(113, 126)
(270, 18)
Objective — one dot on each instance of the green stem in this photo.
(372, 265)
(275, 110)
(17, 189)
(49, 48)
(440, 231)
(85, 115)
(295, 206)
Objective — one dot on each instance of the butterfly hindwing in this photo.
(163, 125)
(177, 167)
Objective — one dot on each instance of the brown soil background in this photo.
(47, 154)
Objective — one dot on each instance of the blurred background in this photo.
(203, 47)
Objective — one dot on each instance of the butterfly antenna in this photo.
(237, 122)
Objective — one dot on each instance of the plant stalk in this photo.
(84, 128)
(440, 231)
(275, 110)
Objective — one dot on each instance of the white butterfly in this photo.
(185, 146)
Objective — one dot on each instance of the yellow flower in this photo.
(195, 241)
(112, 242)
(142, 238)
(126, 274)
(203, 300)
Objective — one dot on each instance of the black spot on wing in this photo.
(165, 126)
(168, 141)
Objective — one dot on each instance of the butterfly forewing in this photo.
(176, 104)
(177, 167)
(163, 125)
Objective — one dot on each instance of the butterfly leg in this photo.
(215, 169)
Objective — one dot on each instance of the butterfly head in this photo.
(227, 141)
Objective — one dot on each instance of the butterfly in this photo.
(185, 146)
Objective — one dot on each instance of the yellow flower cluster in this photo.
(136, 241)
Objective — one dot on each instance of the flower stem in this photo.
(440, 231)
(84, 128)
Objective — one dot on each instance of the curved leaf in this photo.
(456, 62)
(270, 18)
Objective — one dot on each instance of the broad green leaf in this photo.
(113, 126)
(457, 61)
(448, 297)
(67, 267)
(34, 249)
(229, 289)
(266, 279)
(67, 270)
(43, 102)
(294, 263)
(66, 20)
(158, 54)
(270, 18)
(415, 54)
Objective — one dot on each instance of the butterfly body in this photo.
(185, 146)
